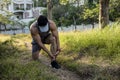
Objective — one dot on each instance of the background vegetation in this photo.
(75, 14)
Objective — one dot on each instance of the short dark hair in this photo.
(42, 20)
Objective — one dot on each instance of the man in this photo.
(44, 31)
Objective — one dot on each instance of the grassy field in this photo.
(16, 63)
(93, 55)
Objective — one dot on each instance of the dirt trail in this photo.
(62, 73)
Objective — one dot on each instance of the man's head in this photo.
(42, 20)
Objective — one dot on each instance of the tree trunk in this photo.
(49, 9)
(103, 13)
(75, 23)
(62, 28)
(93, 26)
(5, 26)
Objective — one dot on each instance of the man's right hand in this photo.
(52, 57)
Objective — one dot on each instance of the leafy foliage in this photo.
(90, 15)
(4, 19)
(4, 14)
(114, 10)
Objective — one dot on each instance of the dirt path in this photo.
(62, 73)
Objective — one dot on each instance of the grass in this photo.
(93, 54)
(30, 71)
(98, 43)
(16, 63)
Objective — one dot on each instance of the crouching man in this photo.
(44, 31)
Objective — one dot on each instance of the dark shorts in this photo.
(45, 40)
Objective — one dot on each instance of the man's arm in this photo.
(55, 34)
(37, 38)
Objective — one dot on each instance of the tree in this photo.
(91, 12)
(4, 20)
(75, 15)
(4, 14)
(103, 13)
(40, 3)
(91, 16)
(49, 9)
(114, 10)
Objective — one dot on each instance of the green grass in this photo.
(16, 63)
(93, 54)
(30, 71)
(98, 43)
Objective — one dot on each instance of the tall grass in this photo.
(93, 54)
(100, 43)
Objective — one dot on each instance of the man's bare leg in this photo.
(53, 47)
(35, 55)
